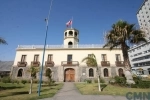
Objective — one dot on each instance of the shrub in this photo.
(35, 81)
(89, 81)
(6, 80)
(101, 80)
(23, 81)
(120, 80)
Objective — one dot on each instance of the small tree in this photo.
(33, 72)
(49, 75)
(91, 61)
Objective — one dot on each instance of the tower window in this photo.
(65, 33)
(76, 34)
(70, 44)
(70, 33)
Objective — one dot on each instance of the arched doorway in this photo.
(106, 72)
(70, 44)
(120, 71)
(69, 75)
(148, 70)
(20, 73)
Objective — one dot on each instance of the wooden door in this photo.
(69, 75)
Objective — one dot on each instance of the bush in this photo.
(23, 81)
(89, 81)
(6, 80)
(120, 80)
(35, 81)
(101, 80)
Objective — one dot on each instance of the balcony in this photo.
(49, 63)
(120, 63)
(22, 64)
(105, 63)
(70, 63)
(35, 63)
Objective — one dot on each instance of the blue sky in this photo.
(22, 21)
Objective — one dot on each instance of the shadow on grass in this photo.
(15, 93)
(13, 87)
(46, 85)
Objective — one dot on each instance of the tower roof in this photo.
(71, 29)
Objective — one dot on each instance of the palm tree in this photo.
(33, 72)
(2, 41)
(92, 62)
(121, 33)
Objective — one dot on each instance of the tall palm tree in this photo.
(120, 35)
(33, 72)
(92, 62)
(2, 41)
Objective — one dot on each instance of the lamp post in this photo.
(41, 70)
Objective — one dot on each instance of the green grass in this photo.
(20, 91)
(92, 89)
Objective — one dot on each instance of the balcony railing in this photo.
(105, 63)
(60, 46)
(120, 63)
(70, 63)
(35, 63)
(49, 63)
(22, 64)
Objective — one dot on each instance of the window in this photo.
(50, 57)
(20, 73)
(36, 58)
(69, 58)
(118, 57)
(91, 72)
(120, 71)
(106, 72)
(23, 58)
(104, 58)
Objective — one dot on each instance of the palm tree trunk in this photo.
(99, 85)
(128, 75)
(30, 92)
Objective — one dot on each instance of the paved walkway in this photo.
(70, 92)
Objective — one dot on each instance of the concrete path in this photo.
(70, 92)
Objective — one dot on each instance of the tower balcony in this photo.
(35, 63)
(49, 63)
(105, 63)
(70, 63)
(22, 64)
(120, 63)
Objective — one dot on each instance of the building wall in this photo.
(143, 16)
(137, 52)
(61, 55)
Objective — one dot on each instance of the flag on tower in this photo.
(69, 23)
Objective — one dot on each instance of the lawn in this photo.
(92, 89)
(20, 91)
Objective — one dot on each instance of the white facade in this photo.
(140, 58)
(69, 56)
(143, 16)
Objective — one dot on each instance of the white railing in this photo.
(60, 46)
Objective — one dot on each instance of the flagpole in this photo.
(72, 23)
(41, 69)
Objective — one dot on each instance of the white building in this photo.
(65, 60)
(140, 58)
(140, 55)
(143, 16)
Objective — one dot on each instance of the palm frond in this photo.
(2, 41)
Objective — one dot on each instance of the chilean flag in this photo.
(69, 23)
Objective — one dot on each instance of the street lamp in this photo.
(41, 70)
